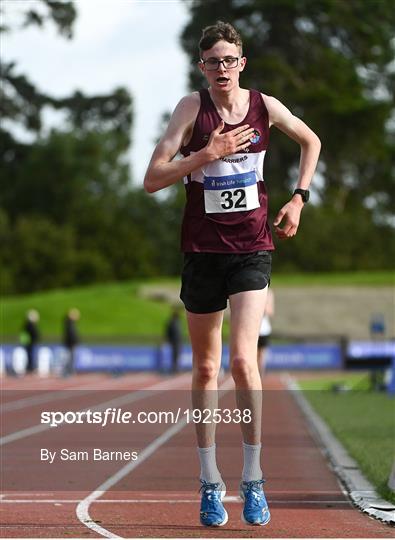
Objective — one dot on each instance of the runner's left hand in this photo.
(289, 217)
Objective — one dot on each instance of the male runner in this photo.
(223, 133)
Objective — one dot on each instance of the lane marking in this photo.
(227, 499)
(28, 495)
(63, 393)
(360, 490)
(82, 509)
(122, 400)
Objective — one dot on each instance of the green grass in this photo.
(109, 312)
(355, 279)
(355, 381)
(116, 312)
(363, 420)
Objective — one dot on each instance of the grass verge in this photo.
(362, 420)
(113, 311)
(117, 311)
(338, 279)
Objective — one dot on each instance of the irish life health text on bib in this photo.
(232, 193)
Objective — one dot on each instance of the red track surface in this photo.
(159, 497)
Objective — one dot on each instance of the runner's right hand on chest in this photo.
(224, 144)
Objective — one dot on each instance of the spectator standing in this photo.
(70, 338)
(30, 336)
(174, 338)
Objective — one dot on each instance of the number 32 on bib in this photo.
(232, 193)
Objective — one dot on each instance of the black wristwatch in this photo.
(304, 193)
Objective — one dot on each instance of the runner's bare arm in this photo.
(296, 129)
(163, 171)
(310, 146)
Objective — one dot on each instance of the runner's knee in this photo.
(243, 370)
(206, 371)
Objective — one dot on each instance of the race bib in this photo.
(232, 193)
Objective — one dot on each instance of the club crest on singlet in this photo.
(231, 193)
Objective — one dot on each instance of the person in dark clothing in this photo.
(174, 338)
(30, 336)
(71, 337)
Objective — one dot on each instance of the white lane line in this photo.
(82, 509)
(360, 490)
(28, 494)
(227, 499)
(122, 400)
(46, 495)
(62, 393)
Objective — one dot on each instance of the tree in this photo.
(20, 101)
(62, 192)
(332, 63)
(92, 122)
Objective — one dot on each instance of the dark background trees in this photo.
(70, 214)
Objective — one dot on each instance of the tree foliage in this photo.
(62, 193)
(20, 101)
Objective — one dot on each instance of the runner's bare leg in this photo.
(247, 309)
(205, 331)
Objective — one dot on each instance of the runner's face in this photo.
(223, 79)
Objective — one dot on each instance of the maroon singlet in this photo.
(228, 184)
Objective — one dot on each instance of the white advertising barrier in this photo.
(47, 359)
(19, 360)
(44, 361)
(2, 363)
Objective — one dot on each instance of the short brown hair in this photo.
(217, 32)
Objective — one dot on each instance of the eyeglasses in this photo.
(212, 64)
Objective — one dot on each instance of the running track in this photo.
(157, 496)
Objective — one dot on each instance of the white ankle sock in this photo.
(252, 462)
(208, 465)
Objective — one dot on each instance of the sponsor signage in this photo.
(305, 356)
(371, 349)
(53, 358)
(113, 358)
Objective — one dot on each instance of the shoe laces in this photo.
(255, 489)
(211, 490)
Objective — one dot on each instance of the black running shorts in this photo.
(208, 279)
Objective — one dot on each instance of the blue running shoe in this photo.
(212, 511)
(256, 510)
